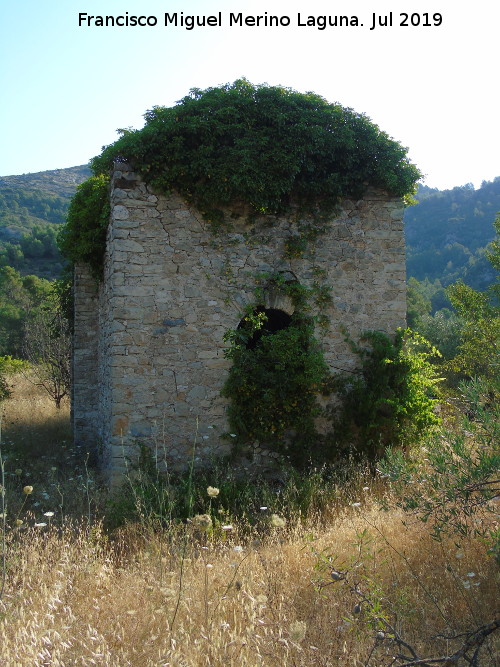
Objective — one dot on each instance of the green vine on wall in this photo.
(302, 297)
(83, 238)
(273, 386)
(276, 377)
(277, 151)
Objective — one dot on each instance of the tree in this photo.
(47, 346)
(19, 296)
(494, 254)
(443, 330)
(417, 305)
(478, 355)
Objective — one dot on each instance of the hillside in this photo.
(31, 199)
(60, 182)
(447, 231)
(32, 206)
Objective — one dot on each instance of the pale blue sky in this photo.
(65, 89)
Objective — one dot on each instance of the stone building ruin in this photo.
(148, 358)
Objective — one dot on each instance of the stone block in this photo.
(126, 245)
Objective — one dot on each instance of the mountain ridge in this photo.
(61, 182)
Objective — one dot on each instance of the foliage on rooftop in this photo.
(265, 146)
(262, 145)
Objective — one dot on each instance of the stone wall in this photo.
(171, 290)
(84, 404)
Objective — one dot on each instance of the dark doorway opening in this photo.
(276, 320)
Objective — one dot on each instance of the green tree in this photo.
(19, 296)
(443, 330)
(494, 253)
(47, 347)
(417, 305)
(478, 354)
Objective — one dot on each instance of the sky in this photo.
(66, 88)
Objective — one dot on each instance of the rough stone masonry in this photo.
(148, 357)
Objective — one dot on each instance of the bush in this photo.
(455, 485)
(9, 366)
(391, 400)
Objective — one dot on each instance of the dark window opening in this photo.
(276, 320)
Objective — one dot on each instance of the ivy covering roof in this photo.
(267, 147)
(263, 145)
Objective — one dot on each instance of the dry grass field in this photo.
(354, 585)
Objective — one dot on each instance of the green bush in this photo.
(391, 401)
(9, 366)
(455, 486)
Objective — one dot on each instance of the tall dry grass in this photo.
(31, 422)
(77, 597)
(37, 448)
(307, 593)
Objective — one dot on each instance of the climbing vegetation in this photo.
(83, 238)
(271, 148)
(273, 384)
(391, 401)
(277, 378)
